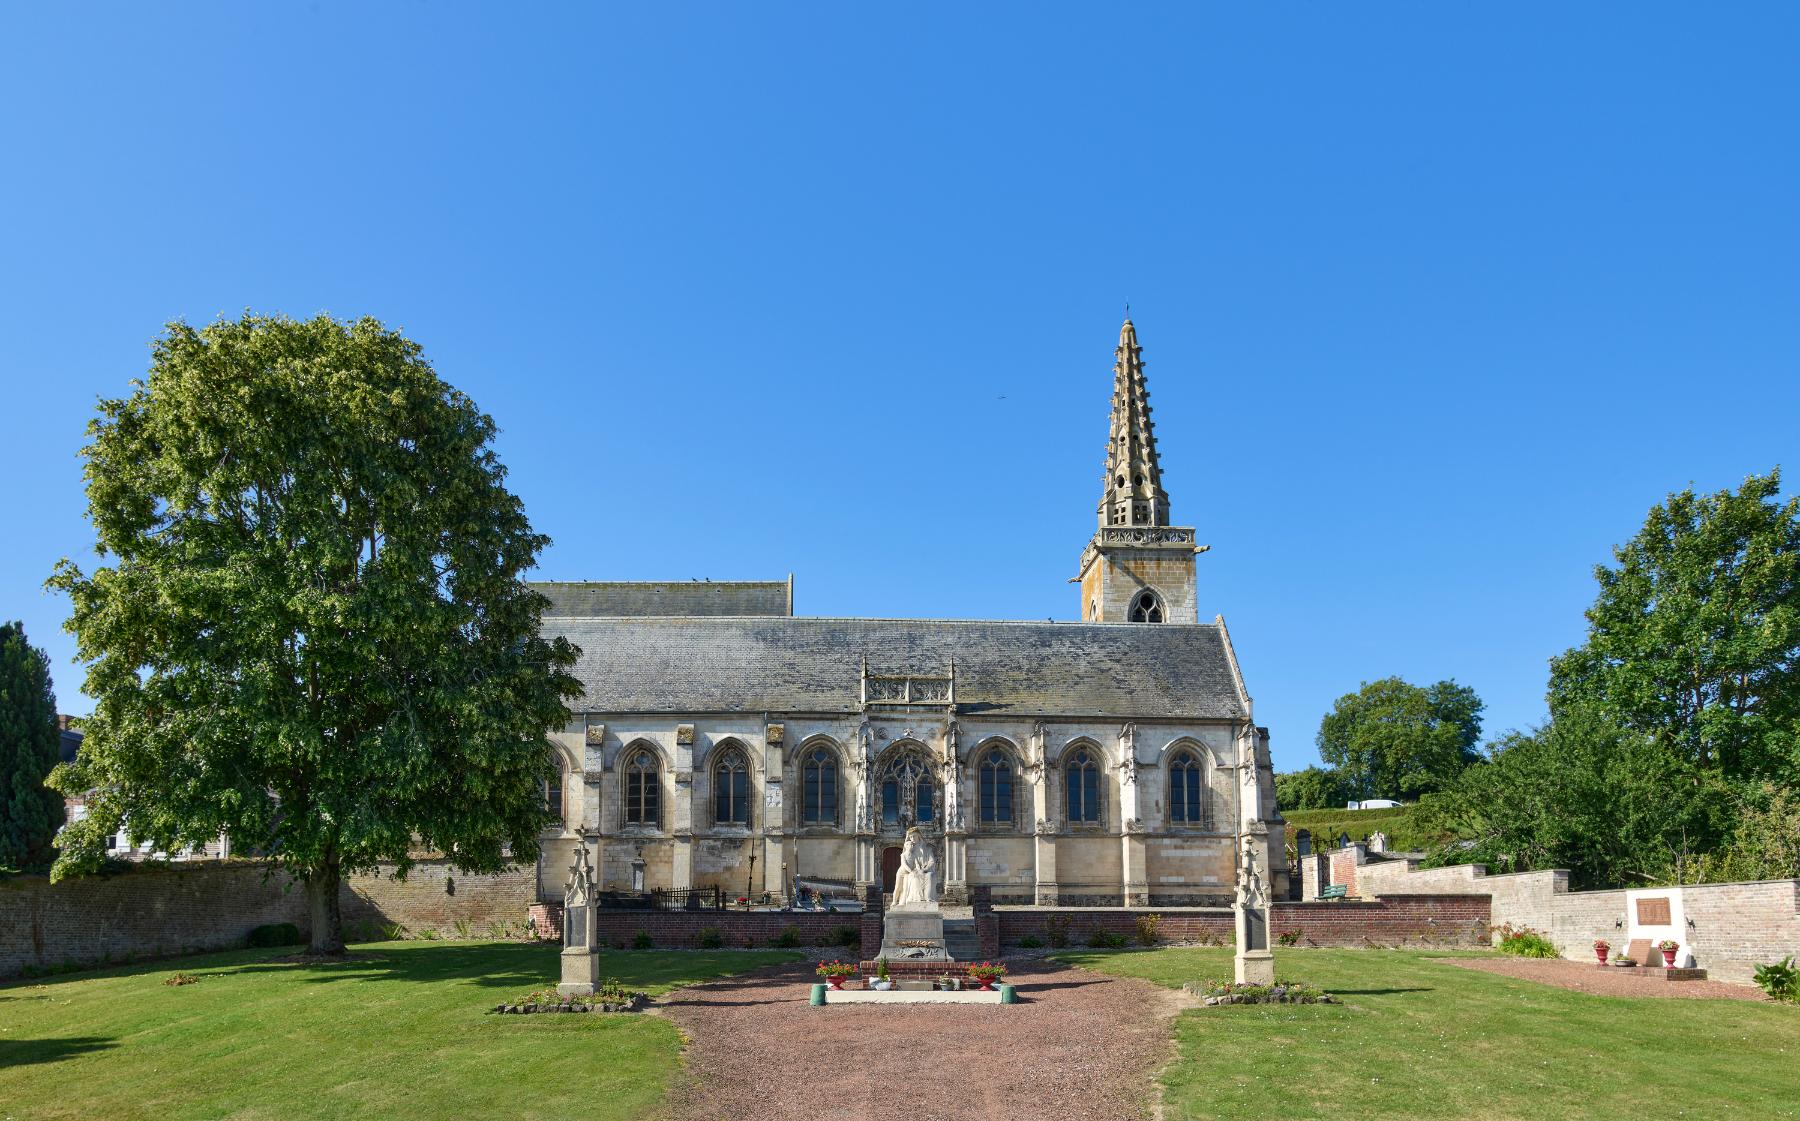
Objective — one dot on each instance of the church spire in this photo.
(1132, 493)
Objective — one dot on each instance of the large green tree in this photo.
(1612, 805)
(1391, 738)
(30, 812)
(1694, 638)
(309, 630)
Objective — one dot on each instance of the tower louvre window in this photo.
(1146, 608)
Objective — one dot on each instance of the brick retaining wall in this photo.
(1732, 928)
(1434, 919)
(680, 930)
(157, 911)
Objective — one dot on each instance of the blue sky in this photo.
(1437, 299)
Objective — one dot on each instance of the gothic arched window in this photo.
(819, 787)
(553, 789)
(1146, 608)
(1187, 790)
(1083, 783)
(907, 790)
(996, 787)
(731, 789)
(643, 789)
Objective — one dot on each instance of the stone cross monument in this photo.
(580, 957)
(1255, 961)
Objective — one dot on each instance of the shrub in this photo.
(787, 939)
(1524, 942)
(1106, 940)
(643, 941)
(463, 930)
(429, 935)
(180, 979)
(1780, 979)
(711, 938)
(846, 936)
(1288, 938)
(393, 932)
(275, 934)
(1149, 929)
(1056, 928)
(1030, 942)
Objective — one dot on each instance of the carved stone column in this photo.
(681, 819)
(580, 957)
(1043, 827)
(1134, 878)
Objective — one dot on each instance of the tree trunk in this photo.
(322, 903)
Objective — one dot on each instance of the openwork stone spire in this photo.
(1132, 493)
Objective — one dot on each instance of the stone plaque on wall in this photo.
(1654, 911)
(684, 734)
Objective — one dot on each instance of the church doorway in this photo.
(890, 867)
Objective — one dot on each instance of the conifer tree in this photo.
(30, 812)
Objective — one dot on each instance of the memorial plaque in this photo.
(1653, 912)
(1256, 929)
(575, 924)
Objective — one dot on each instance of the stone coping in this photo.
(899, 996)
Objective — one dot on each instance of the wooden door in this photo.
(890, 868)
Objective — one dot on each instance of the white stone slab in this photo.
(900, 996)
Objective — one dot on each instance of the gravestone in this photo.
(580, 957)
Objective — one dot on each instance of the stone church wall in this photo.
(155, 911)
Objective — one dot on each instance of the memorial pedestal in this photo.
(909, 934)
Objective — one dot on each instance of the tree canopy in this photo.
(309, 630)
(1392, 739)
(1694, 638)
(1315, 788)
(30, 812)
(1610, 804)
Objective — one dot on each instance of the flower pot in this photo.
(987, 984)
(835, 982)
(1601, 954)
(1668, 959)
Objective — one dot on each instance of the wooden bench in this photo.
(1334, 891)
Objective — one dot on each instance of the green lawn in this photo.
(399, 1037)
(1417, 1038)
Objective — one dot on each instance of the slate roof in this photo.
(667, 597)
(793, 665)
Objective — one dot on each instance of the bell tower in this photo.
(1138, 568)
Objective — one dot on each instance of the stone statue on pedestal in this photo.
(915, 884)
(912, 929)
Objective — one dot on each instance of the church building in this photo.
(725, 744)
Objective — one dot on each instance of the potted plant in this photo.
(1601, 948)
(834, 972)
(1624, 963)
(1668, 946)
(882, 982)
(986, 973)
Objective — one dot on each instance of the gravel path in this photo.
(1584, 978)
(1077, 1046)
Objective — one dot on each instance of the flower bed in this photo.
(1281, 992)
(610, 997)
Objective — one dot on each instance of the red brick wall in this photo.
(680, 930)
(1415, 918)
